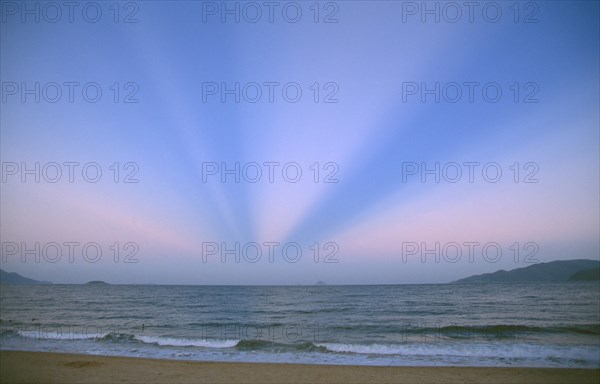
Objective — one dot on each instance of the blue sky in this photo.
(545, 124)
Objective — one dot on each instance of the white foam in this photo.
(376, 349)
(51, 335)
(508, 351)
(169, 341)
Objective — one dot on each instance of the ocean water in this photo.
(534, 325)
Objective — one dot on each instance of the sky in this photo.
(290, 142)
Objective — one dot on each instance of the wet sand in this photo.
(41, 367)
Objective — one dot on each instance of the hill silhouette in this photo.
(560, 270)
(13, 278)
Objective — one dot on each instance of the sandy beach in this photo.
(40, 367)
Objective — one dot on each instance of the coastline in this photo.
(46, 367)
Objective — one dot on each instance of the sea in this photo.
(500, 325)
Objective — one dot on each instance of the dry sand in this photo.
(40, 367)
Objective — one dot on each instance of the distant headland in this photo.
(13, 278)
(560, 270)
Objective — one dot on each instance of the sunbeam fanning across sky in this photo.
(235, 150)
(300, 189)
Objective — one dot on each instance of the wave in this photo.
(492, 330)
(175, 342)
(53, 335)
(457, 353)
(254, 344)
(502, 351)
(507, 330)
(407, 333)
(119, 337)
(242, 345)
(266, 345)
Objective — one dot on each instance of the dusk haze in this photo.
(307, 190)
